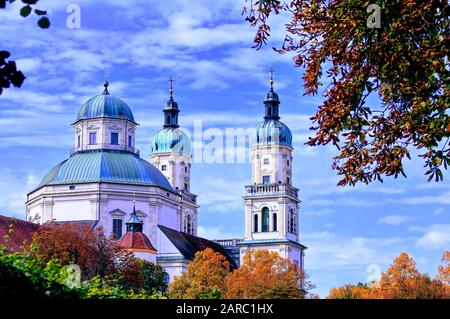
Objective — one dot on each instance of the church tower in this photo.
(271, 202)
(171, 153)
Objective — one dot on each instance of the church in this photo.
(147, 205)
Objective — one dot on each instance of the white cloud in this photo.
(443, 199)
(395, 219)
(436, 236)
(328, 251)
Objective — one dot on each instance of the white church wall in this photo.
(66, 210)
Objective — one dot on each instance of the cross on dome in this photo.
(271, 72)
(171, 80)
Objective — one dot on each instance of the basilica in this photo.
(148, 206)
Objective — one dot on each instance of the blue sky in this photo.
(221, 80)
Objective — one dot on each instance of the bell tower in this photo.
(271, 202)
(171, 154)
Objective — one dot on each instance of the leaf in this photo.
(40, 12)
(25, 11)
(44, 23)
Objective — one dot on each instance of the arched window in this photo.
(289, 222)
(255, 223)
(265, 219)
(185, 226)
(168, 119)
(189, 224)
(292, 230)
(274, 222)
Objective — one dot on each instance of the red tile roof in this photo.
(22, 231)
(136, 241)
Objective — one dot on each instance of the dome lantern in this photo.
(171, 110)
(272, 101)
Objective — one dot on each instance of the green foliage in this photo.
(211, 293)
(26, 276)
(23, 276)
(153, 277)
(107, 288)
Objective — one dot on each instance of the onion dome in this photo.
(105, 106)
(105, 166)
(272, 131)
(171, 140)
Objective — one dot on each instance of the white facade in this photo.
(176, 167)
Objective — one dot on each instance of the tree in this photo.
(142, 275)
(153, 277)
(263, 275)
(24, 275)
(444, 270)
(204, 278)
(403, 281)
(8, 70)
(359, 291)
(400, 281)
(403, 62)
(88, 248)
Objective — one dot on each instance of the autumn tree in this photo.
(348, 291)
(9, 75)
(402, 63)
(204, 278)
(264, 274)
(403, 281)
(89, 248)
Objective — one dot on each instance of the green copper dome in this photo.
(105, 106)
(105, 166)
(271, 131)
(171, 140)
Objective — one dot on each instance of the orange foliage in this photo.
(400, 281)
(205, 275)
(444, 270)
(359, 291)
(81, 245)
(264, 274)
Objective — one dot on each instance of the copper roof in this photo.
(136, 241)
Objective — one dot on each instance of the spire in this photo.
(134, 224)
(171, 109)
(271, 101)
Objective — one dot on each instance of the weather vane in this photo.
(171, 80)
